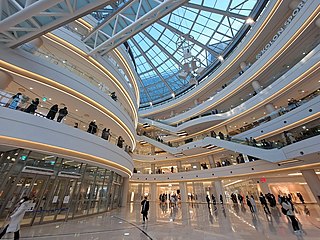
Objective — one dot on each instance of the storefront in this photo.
(60, 188)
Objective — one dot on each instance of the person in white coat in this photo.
(16, 218)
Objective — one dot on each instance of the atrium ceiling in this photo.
(188, 40)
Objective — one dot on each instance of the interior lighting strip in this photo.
(36, 146)
(7, 67)
(226, 68)
(96, 64)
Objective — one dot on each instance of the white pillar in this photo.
(195, 102)
(256, 86)
(125, 191)
(219, 190)
(318, 22)
(270, 108)
(153, 168)
(153, 192)
(172, 113)
(264, 187)
(211, 161)
(5, 79)
(243, 66)
(183, 191)
(179, 166)
(313, 182)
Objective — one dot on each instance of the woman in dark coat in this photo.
(52, 112)
(33, 106)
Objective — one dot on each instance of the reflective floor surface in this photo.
(186, 221)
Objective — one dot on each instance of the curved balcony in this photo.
(21, 64)
(256, 167)
(305, 114)
(22, 130)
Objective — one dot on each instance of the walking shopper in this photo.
(15, 101)
(145, 209)
(249, 204)
(208, 200)
(62, 113)
(264, 203)
(105, 134)
(287, 209)
(253, 203)
(16, 218)
(52, 112)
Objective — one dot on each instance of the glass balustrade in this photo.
(72, 119)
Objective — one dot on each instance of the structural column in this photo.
(219, 190)
(270, 108)
(264, 187)
(125, 191)
(313, 182)
(153, 192)
(153, 168)
(5, 79)
(256, 86)
(183, 191)
(179, 166)
(211, 161)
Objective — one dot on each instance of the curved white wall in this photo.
(25, 130)
(66, 78)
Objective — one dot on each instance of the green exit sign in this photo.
(44, 99)
(24, 157)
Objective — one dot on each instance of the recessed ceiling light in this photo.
(288, 66)
(50, 99)
(304, 53)
(30, 88)
(76, 110)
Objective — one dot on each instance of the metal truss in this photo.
(217, 11)
(22, 21)
(188, 37)
(128, 20)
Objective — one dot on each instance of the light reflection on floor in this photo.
(186, 221)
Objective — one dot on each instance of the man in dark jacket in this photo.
(264, 203)
(145, 209)
(62, 113)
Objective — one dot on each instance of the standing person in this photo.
(221, 199)
(92, 127)
(264, 203)
(120, 142)
(208, 200)
(253, 203)
(221, 136)
(214, 202)
(16, 218)
(287, 208)
(33, 106)
(105, 134)
(249, 204)
(145, 209)
(15, 101)
(62, 113)
(300, 197)
(52, 112)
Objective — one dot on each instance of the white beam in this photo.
(142, 20)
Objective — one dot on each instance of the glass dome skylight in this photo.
(205, 28)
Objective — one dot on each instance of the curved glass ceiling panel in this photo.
(202, 28)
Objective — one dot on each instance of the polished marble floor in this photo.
(186, 221)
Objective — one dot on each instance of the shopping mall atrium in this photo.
(209, 109)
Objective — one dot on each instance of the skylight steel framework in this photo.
(24, 20)
(128, 20)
